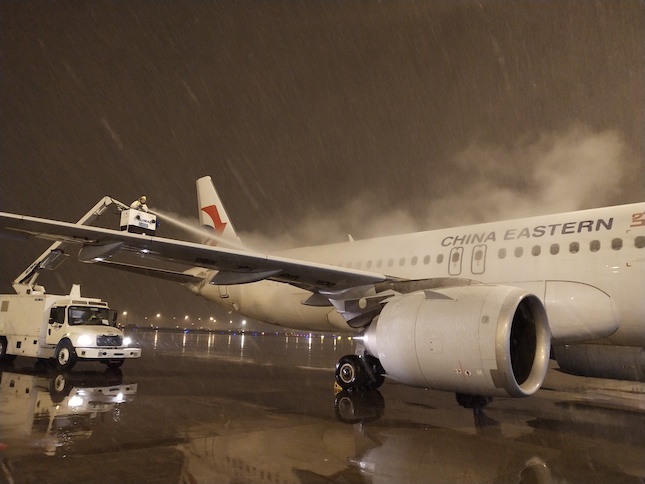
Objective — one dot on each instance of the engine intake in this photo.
(484, 340)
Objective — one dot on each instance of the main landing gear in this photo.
(359, 373)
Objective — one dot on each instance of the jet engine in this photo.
(481, 340)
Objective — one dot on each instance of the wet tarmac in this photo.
(202, 408)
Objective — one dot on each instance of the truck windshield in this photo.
(88, 315)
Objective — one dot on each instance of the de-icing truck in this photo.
(67, 328)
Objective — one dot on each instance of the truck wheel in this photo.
(59, 388)
(114, 364)
(4, 357)
(65, 355)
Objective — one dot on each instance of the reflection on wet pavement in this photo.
(261, 408)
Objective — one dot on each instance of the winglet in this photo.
(213, 216)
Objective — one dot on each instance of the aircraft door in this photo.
(456, 256)
(478, 262)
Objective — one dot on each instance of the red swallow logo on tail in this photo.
(219, 226)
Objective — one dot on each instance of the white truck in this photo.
(66, 328)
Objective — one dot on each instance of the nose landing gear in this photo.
(354, 372)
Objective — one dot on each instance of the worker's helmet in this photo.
(143, 199)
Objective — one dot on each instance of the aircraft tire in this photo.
(376, 379)
(349, 372)
(472, 401)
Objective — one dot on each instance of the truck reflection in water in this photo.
(52, 411)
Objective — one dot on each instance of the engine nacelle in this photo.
(602, 361)
(481, 340)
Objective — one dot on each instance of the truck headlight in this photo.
(84, 340)
(126, 341)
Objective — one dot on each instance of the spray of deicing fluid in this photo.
(194, 228)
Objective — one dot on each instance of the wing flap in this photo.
(167, 275)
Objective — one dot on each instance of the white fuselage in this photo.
(600, 249)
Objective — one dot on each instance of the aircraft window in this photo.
(369, 264)
(594, 246)
(519, 251)
(426, 260)
(479, 255)
(617, 244)
(455, 257)
(390, 262)
(574, 247)
(536, 250)
(414, 260)
(639, 242)
(379, 263)
(439, 258)
(358, 265)
(555, 249)
(349, 265)
(402, 261)
(502, 253)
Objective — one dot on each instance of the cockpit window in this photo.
(89, 315)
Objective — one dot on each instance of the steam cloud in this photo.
(554, 172)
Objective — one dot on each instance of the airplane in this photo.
(476, 310)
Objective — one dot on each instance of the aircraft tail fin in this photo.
(213, 216)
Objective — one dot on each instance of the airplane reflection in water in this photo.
(360, 448)
(53, 411)
(394, 436)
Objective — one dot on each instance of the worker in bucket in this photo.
(140, 204)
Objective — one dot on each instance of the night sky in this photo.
(315, 119)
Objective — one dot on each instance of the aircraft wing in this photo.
(233, 266)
